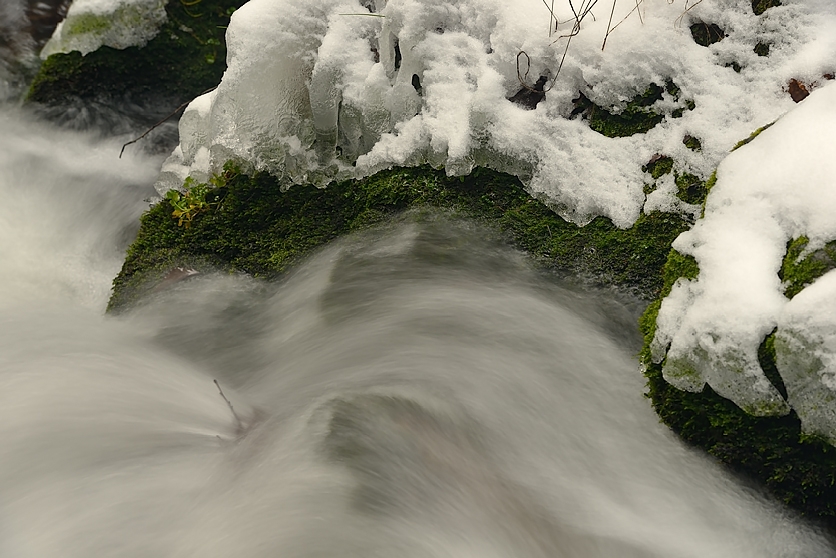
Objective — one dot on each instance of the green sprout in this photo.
(198, 198)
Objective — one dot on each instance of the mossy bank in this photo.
(186, 57)
(251, 224)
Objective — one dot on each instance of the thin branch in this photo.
(686, 10)
(609, 25)
(635, 9)
(239, 424)
(161, 122)
(552, 17)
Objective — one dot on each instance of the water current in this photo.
(418, 390)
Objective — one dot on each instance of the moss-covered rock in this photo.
(259, 228)
(799, 470)
(636, 117)
(186, 57)
(802, 266)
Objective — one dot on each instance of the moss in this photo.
(752, 136)
(706, 34)
(766, 358)
(186, 57)
(261, 230)
(760, 6)
(797, 272)
(798, 470)
(692, 143)
(89, 23)
(635, 118)
(761, 49)
(659, 166)
(691, 188)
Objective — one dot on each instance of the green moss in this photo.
(766, 358)
(798, 470)
(797, 272)
(187, 57)
(691, 188)
(705, 34)
(692, 143)
(760, 6)
(762, 49)
(752, 136)
(659, 166)
(89, 23)
(263, 231)
(635, 118)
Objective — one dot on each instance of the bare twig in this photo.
(238, 422)
(609, 25)
(161, 122)
(614, 27)
(686, 10)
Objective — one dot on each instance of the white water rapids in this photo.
(415, 391)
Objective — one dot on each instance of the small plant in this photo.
(198, 198)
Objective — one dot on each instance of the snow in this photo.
(778, 187)
(322, 90)
(305, 98)
(805, 346)
(120, 24)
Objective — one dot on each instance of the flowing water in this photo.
(414, 391)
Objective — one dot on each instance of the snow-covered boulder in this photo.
(777, 188)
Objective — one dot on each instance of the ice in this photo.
(778, 187)
(805, 346)
(318, 90)
(120, 24)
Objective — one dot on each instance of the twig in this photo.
(614, 27)
(609, 24)
(552, 17)
(686, 10)
(161, 122)
(239, 424)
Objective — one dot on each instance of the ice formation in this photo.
(318, 90)
(120, 24)
(779, 187)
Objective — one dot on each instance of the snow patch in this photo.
(321, 90)
(776, 188)
(119, 24)
(805, 347)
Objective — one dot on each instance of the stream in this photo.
(418, 390)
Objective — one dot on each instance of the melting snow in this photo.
(319, 90)
(778, 187)
(115, 23)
